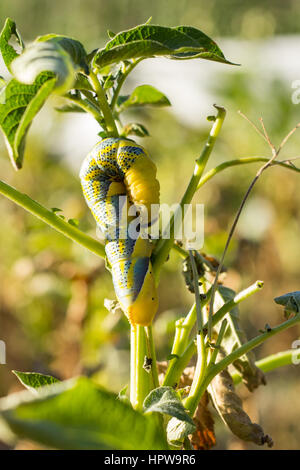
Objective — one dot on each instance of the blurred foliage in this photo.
(90, 19)
(52, 314)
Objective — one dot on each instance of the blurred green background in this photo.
(52, 316)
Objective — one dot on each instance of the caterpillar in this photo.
(119, 167)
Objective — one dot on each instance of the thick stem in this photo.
(104, 106)
(164, 245)
(152, 355)
(191, 401)
(140, 379)
(52, 219)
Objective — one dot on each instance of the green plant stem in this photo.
(241, 161)
(133, 350)
(191, 402)
(178, 364)
(104, 106)
(274, 361)
(87, 106)
(164, 245)
(50, 218)
(183, 253)
(218, 343)
(140, 379)
(184, 326)
(197, 294)
(121, 82)
(152, 355)
(244, 349)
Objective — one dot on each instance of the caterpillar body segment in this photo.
(115, 175)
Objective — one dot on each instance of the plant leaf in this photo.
(148, 40)
(290, 301)
(7, 50)
(34, 381)
(204, 436)
(79, 415)
(45, 57)
(178, 430)
(70, 108)
(229, 406)
(145, 95)
(20, 105)
(165, 400)
(135, 129)
(82, 82)
(73, 47)
(233, 338)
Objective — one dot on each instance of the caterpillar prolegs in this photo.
(120, 167)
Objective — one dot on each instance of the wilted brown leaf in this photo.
(229, 406)
(204, 437)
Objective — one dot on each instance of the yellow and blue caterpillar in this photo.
(120, 167)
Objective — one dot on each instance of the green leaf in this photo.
(20, 105)
(148, 40)
(178, 430)
(82, 83)
(70, 108)
(145, 95)
(73, 47)
(165, 400)
(290, 301)
(110, 34)
(45, 57)
(7, 50)
(33, 380)
(235, 337)
(135, 129)
(79, 415)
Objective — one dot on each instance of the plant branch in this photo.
(164, 245)
(103, 103)
(87, 105)
(274, 361)
(178, 364)
(275, 154)
(253, 343)
(50, 218)
(242, 161)
(121, 82)
(244, 349)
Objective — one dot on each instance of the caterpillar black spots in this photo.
(119, 167)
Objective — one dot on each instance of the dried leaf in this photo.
(187, 271)
(234, 337)
(229, 406)
(204, 437)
